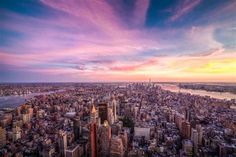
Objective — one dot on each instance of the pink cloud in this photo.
(139, 14)
(99, 32)
(183, 9)
(134, 67)
(112, 38)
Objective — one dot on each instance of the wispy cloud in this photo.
(103, 40)
(184, 8)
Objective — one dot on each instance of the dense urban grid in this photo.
(7, 89)
(119, 120)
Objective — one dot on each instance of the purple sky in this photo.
(80, 41)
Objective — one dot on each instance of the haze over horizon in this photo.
(109, 41)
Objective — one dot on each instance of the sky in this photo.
(117, 40)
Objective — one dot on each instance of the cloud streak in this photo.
(184, 8)
(106, 41)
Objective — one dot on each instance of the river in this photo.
(16, 100)
(218, 95)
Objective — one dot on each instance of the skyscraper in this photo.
(72, 151)
(93, 132)
(200, 133)
(194, 138)
(104, 140)
(114, 108)
(16, 133)
(187, 115)
(186, 130)
(2, 137)
(76, 127)
(187, 148)
(62, 142)
(110, 116)
(117, 147)
(103, 111)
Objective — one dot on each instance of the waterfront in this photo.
(13, 101)
(217, 95)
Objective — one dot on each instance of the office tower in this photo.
(187, 148)
(200, 133)
(188, 115)
(223, 150)
(113, 103)
(18, 111)
(16, 133)
(72, 151)
(114, 129)
(31, 112)
(124, 137)
(135, 111)
(179, 120)
(16, 123)
(117, 148)
(194, 139)
(93, 132)
(48, 152)
(110, 116)
(76, 127)
(104, 139)
(159, 135)
(186, 130)
(118, 108)
(26, 118)
(103, 112)
(2, 137)
(62, 143)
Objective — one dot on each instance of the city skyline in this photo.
(94, 41)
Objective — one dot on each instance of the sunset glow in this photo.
(83, 41)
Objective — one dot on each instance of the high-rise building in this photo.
(72, 151)
(118, 108)
(113, 103)
(62, 143)
(77, 128)
(186, 130)
(93, 139)
(187, 148)
(104, 139)
(200, 133)
(187, 115)
(48, 151)
(110, 116)
(194, 138)
(93, 132)
(179, 120)
(124, 137)
(26, 118)
(16, 133)
(103, 112)
(2, 137)
(117, 147)
(31, 112)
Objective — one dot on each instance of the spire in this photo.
(94, 109)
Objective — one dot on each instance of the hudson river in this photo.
(16, 100)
